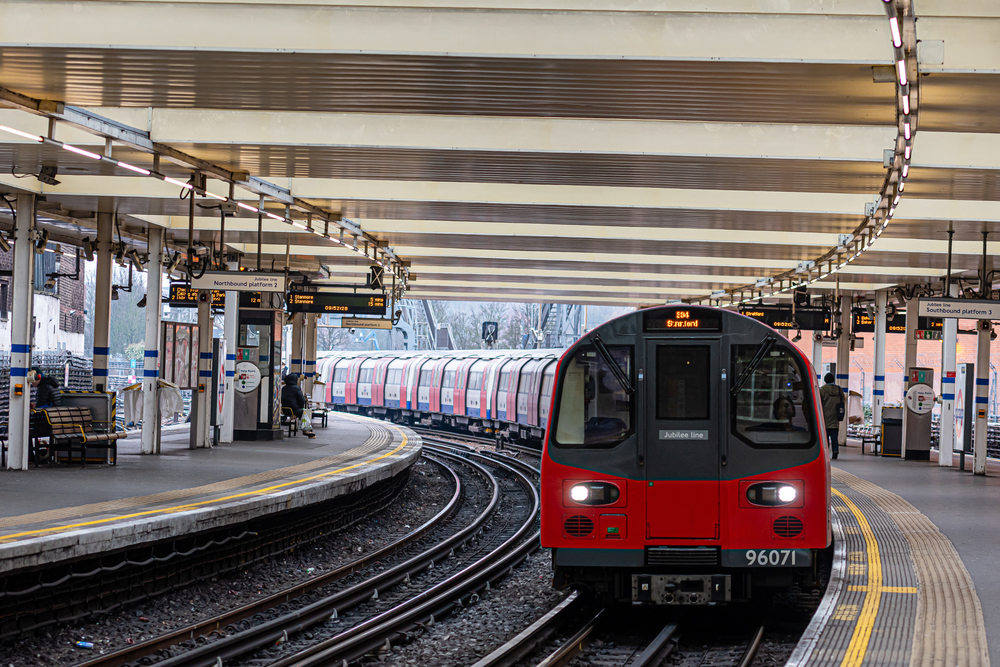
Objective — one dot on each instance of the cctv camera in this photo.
(50, 283)
(351, 330)
(142, 302)
(133, 257)
(88, 248)
(47, 175)
(174, 263)
(43, 240)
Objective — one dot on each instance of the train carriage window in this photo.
(547, 385)
(449, 380)
(682, 382)
(394, 376)
(366, 376)
(772, 409)
(425, 378)
(594, 410)
(475, 380)
(504, 381)
(340, 374)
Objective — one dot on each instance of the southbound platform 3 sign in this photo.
(328, 302)
(966, 309)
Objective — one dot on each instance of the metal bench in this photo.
(318, 412)
(73, 428)
(288, 419)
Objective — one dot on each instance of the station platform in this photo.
(54, 514)
(914, 579)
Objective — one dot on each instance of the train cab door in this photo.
(685, 431)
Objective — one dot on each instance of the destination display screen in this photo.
(182, 296)
(781, 317)
(682, 319)
(865, 324)
(326, 302)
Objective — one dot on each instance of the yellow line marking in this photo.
(886, 589)
(188, 506)
(845, 612)
(856, 650)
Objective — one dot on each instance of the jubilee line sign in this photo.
(240, 281)
(966, 309)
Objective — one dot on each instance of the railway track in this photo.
(493, 540)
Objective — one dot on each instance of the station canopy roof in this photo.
(621, 152)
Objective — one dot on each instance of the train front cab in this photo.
(694, 472)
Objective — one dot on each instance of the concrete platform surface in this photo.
(910, 585)
(67, 512)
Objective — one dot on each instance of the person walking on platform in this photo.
(293, 398)
(832, 398)
(47, 393)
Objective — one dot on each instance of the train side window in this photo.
(449, 380)
(772, 410)
(340, 375)
(547, 385)
(394, 376)
(682, 382)
(594, 410)
(366, 376)
(425, 378)
(475, 380)
(504, 381)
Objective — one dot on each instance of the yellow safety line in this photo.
(181, 508)
(887, 589)
(873, 591)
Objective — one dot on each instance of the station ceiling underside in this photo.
(567, 150)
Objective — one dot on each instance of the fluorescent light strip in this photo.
(906, 170)
(906, 105)
(906, 130)
(901, 70)
(80, 151)
(179, 183)
(906, 153)
(247, 207)
(897, 41)
(33, 137)
(132, 167)
(274, 217)
(214, 196)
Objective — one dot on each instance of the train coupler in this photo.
(681, 589)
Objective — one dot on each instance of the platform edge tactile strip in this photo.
(949, 630)
(222, 504)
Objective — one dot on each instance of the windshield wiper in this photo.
(762, 350)
(616, 370)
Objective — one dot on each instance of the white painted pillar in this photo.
(151, 358)
(201, 432)
(230, 333)
(102, 299)
(982, 395)
(844, 363)
(310, 360)
(910, 361)
(878, 388)
(949, 350)
(21, 330)
(298, 350)
(817, 356)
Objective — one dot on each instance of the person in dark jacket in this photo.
(293, 398)
(47, 393)
(832, 399)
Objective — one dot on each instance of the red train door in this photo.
(685, 436)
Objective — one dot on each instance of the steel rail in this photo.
(528, 639)
(751, 650)
(573, 646)
(276, 629)
(659, 648)
(133, 653)
(441, 599)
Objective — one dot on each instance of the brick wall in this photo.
(72, 294)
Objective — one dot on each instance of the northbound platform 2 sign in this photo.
(966, 309)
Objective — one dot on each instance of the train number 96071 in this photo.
(767, 557)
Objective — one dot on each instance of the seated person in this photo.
(293, 399)
(784, 413)
(47, 393)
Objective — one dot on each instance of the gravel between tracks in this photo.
(424, 495)
(464, 637)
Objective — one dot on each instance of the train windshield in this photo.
(772, 409)
(595, 410)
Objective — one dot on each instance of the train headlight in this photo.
(772, 494)
(594, 493)
(787, 494)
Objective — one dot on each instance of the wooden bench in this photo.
(288, 419)
(73, 428)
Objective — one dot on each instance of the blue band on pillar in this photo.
(982, 399)
(18, 371)
(205, 374)
(206, 355)
(947, 397)
(878, 392)
(230, 374)
(982, 382)
(150, 373)
(880, 378)
(948, 380)
(152, 353)
(296, 361)
(100, 372)
(102, 351)
(842, 377)
(20, 349)
(230, 357)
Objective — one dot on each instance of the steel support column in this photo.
(844, 364)
(201, 432)
(310, 347)
(878, 388)
(231, 320)
(102, 299)
(982, 395)
(21, 332)
(949, 349)
(150, 372)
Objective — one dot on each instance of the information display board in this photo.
(865, 324)
(182, 296)
(780, 317)
(682, 319)
(327, 302)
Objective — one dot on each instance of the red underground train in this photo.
(685, 461)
